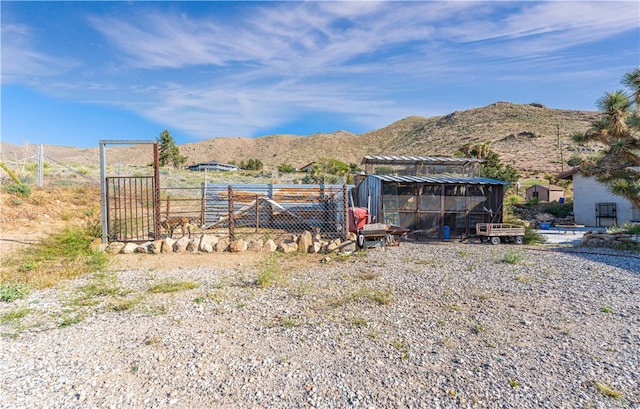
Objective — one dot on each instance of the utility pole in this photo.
(560, 148)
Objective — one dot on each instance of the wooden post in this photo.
(231, 216)
(345, 208)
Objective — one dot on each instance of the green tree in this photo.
(618, 127)
(169, 152)
(493, 167)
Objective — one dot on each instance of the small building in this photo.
(595, 205)
(450, 199)
(551, 193)
(213, 166)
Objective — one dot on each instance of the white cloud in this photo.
(20, 59)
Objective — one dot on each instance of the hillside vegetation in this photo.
(525, 136)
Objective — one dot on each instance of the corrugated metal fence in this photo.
(246, 209)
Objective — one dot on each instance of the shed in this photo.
(429, 205)
(551, 193)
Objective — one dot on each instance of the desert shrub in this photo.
(286, 168)
(559, 210)
(532, 237)
(19, 190)
(12, 292)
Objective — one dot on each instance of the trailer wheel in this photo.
(360, 240)
(495, 240)
(518, 240)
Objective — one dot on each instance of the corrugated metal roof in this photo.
(440, 179)
(418, 159)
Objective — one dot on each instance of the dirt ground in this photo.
(25, 221)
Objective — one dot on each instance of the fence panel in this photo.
(247, 209)
(130, 208)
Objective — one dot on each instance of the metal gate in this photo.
(131, 208)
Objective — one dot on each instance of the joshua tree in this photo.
(618, 129)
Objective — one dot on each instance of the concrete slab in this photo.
(556, 235)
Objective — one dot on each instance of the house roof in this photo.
(567, 174)
(440, 179)
(549, 187)
(411, 160)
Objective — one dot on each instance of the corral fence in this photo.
(270, 209)
(233, 210)
(138, 208)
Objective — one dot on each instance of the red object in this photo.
(358, 217)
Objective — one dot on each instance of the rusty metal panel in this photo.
(131, 208)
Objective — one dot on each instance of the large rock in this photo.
(115, 247)
(222, 245)
(270, 246)
(255, 245)
(98, 246)
(238, 246)
(305, 242)
(207, 243)
(334, 245)
(180, 246)
(156, 246)
(129, 248)
(288, 246)
(167, 245)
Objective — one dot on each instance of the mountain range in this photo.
(530, 137)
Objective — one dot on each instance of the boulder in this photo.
(255, 245)
(167, 245)
(288, 246)
(270, 246)
(222, 245)
(180, 246)
(305, 242)
(156, 247)
(238, 246)
(207, 243)
(115, 247)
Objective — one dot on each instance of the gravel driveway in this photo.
(415, 326)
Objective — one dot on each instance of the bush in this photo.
(19, 189)
(559, 210)
(286, 168)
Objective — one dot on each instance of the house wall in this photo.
(587, 192)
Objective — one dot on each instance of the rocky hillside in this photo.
(525, 136)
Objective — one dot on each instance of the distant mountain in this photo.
(527, 136)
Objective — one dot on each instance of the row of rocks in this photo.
(604, 239)
(208, 243)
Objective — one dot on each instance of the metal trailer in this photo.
(379, 235)
(497, 233)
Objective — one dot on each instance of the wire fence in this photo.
(270, 209)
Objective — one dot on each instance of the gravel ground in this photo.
(418, 325)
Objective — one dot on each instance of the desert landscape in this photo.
(421, 324)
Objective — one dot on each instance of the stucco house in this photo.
(551, 193)
(595, 205)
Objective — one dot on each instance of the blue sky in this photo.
(77, 72)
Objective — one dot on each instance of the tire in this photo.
(518, 240)
(495, 240)
(388, 240)
(360, 240)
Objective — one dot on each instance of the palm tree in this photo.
(617, 128)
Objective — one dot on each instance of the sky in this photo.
(74, 73)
